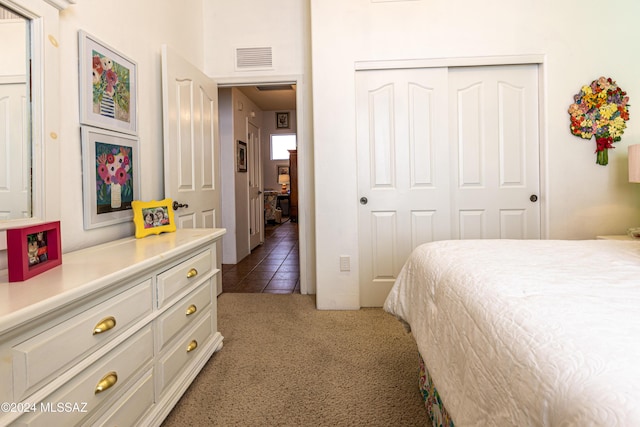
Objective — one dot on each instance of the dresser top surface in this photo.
(88, 270)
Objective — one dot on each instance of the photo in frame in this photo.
(110, 176)
(282, 170)
(108, 86)
(33, 250)
(241, 156)
(153, 217)
(282, 120)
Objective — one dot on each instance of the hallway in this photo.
(273, 267)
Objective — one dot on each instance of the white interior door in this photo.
(442, 153)
(256, 205)
(191, 144)
(495, 152)
(14, 151)
(403, 177)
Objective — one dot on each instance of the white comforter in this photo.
(527, 333)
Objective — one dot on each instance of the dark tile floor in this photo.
(273, 267)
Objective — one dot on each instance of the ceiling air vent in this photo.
(254, 58)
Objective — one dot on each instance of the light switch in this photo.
(345, 263)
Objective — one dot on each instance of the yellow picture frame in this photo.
(153, 217)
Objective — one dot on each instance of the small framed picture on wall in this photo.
(282, 120)
(241, 156)
(283, 170)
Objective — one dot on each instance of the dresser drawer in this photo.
(122, 364)
(184, 313)
(189, 272)
(44, 355)
(179, 356)
(128, 410)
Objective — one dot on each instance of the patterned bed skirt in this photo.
(435, 409)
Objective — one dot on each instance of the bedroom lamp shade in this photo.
(634, 163)
(284, 180)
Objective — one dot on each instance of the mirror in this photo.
(15, 116)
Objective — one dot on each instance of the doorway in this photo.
(266, 100)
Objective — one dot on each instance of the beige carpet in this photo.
(284, 363)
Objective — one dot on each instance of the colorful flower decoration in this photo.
(601, 109)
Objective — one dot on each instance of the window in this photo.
(280, 143)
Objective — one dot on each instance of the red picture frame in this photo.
(33, 250)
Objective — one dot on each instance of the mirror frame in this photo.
(45, 109)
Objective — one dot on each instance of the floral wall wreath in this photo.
(601, 109)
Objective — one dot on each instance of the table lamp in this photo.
(634, 163)
(634, 176)
(284, 180)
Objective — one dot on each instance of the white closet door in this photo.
(493, 116)
(443, 154)
(403, 175)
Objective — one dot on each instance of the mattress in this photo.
(527, 332)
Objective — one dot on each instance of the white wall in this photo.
(227, 169)
(581, 199)
(137, 30)
(235, 185)
(279, 24)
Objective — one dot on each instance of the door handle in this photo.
(177, 205)
(364, 200)
(533, 198)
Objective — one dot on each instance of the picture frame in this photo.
(33, 249)
(282, 170)
(153, 217)
(110, 176)
(108, 86)
(282, 120)
(241, 156)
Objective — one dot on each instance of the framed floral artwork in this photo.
(153, 217)
(108, 87)
(110, 176)
(33, 250)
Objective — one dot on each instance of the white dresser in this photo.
(113, 336)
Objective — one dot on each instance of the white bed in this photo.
(527, 332)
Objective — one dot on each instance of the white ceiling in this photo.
(271, 100)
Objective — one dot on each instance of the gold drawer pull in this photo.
(104, 325)
(192, 346)
(107, 382)
(192, 273)
(192, 309)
